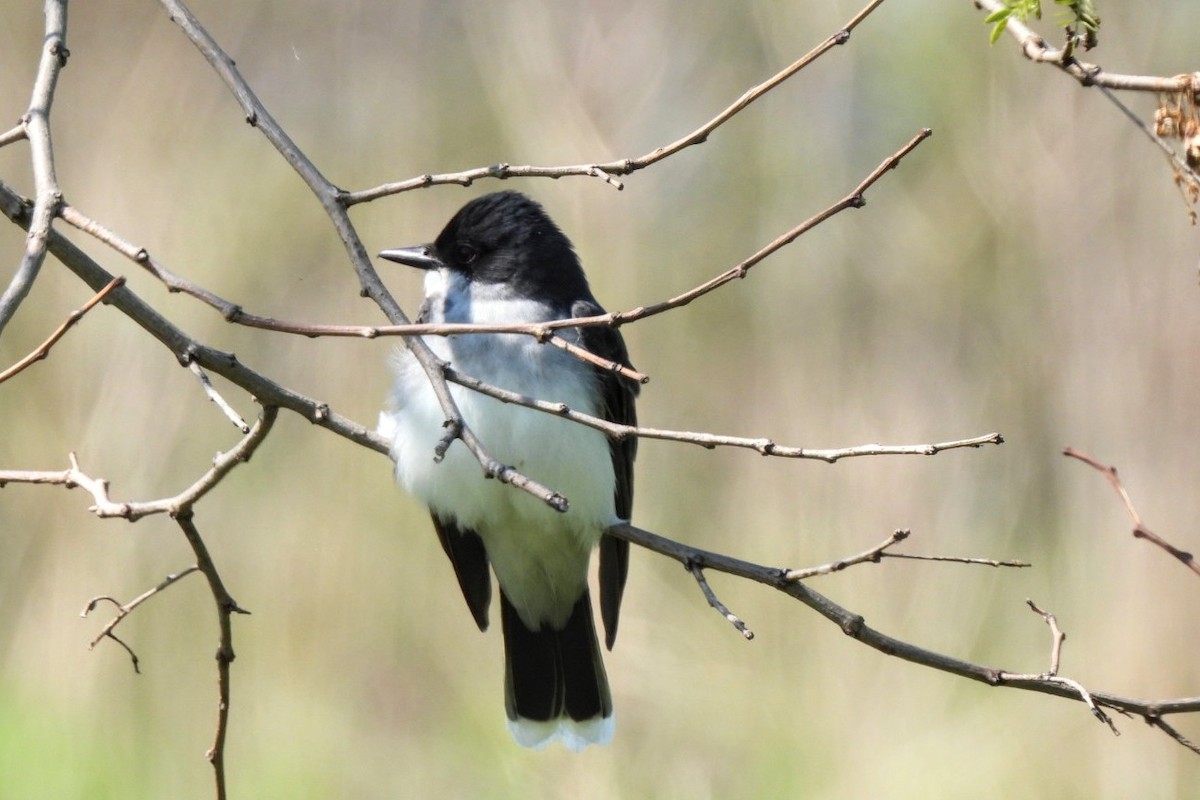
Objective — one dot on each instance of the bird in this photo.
(502, 259)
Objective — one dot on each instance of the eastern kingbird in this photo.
(501, 259)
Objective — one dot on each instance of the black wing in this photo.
(466, 552)
(619, 395)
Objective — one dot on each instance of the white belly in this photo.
(540, 556)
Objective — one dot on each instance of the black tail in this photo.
(555, 674)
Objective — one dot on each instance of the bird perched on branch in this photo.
(501, 259)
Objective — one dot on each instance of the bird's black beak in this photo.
(422, 257)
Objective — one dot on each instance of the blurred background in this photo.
(1030, 269)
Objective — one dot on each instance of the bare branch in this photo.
(36, 125)
(624, 166)
(1140, 531)
(43, 350)
(709, 441)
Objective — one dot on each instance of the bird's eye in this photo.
(466, 253)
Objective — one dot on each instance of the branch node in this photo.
(453, 431)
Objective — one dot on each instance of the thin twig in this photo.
(716, 603)
(1057, 637)
(709, 441)
(125, 609)
(216, 397)
(624, 166)
(1140, 531)
(984, 562)
(874, 555)
(43, 350)
(878, 553)
(1165, 727)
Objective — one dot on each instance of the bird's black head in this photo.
(505, 238)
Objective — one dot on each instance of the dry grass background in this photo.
(1030, 269)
